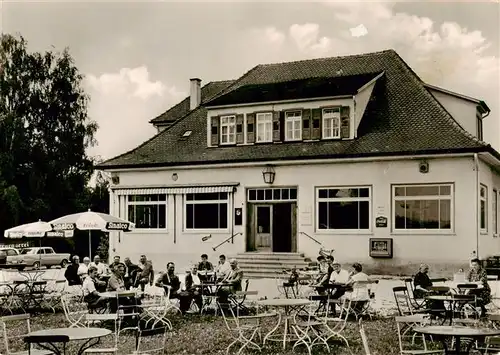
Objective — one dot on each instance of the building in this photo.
(355, 152)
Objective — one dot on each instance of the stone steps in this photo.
(268, 265)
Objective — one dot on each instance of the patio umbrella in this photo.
(36, 229)
(90, 221)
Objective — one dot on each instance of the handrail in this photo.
(313, 239)
(225, 241)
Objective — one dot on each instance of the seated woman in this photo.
(360, 293)
(422, 287)
(478, 274)
(90, 294)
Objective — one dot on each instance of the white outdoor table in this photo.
(91, 336)
(113, 294)
(288, 304)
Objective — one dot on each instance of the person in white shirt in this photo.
(339, 277)
(358, 279)
(223, 268)
(90, 294)
(83, 269)
(102, 269)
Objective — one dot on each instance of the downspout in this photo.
(232, 217)
(476, 204)
(175, 219)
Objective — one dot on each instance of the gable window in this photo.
(293, 123)
(147, 211)
(331, 123)
(264, 127)
(228, 130)
(422, 207)
(345, 208)
(206, 210)
(483, 205)
(495, 212)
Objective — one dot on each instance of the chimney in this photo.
(195, 93)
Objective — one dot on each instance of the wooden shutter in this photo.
(250, 127)
(306, 124)
(276, 126)
(282, 126)
(316, 124)
(345, 122)
(214, 134)
(240, 139)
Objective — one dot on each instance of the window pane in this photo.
(483, 191)
(422, 214)
(260, 195)
(293, 194)
(483, 215)
(445, 214)
(346, 215)
(252, 195)
(268, 194)
(400, 215)
(364, 192)
(323, 215)
(284, 194)
(207, 215)
(277, 194)
(399, 191)
(422, 190)
(323, 193)
(189, 216)
(131, 213)
(445, 190)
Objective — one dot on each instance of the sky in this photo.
(138, 57)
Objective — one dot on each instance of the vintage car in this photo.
(8, 256)
(42, 256)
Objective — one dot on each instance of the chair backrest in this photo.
(364, 338)
(438, 279)
(409, 286)
(151, 341)
(402, 300)
(406, 337)
(19, 333)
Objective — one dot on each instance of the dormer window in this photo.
(228, 129)
(331, 123)
(293, 123)
(264, 127)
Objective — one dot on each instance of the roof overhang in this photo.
(350, 158)
(280, 102)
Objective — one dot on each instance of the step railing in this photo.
(225, 241)
(322, 250)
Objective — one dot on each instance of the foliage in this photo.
(44, 135)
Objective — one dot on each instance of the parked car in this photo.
(42, 256)
(8, 255)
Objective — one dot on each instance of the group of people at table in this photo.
(96, 277)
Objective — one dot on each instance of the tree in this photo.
(44, 134)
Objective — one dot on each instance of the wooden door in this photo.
(263, 227)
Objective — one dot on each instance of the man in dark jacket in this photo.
(71, 273)
(171, 283)
(131, 272)
(145, 273)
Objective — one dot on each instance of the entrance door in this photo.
(263, 227)
(284, 231)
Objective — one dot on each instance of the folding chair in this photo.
(91, 320)
(364, 338)
(339, 323)
(48, 341)
(405, 325)
(18, 322)
(307, 329)
(151, 341)
(73, 312)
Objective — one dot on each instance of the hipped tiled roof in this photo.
(402, 118)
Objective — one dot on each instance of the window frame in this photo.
(293, 120)
(333, 129)
(145, 203)
(266, 115)
(368, 230)
(395, 198)
(231, 137)
(494, 209)
(485, 200)
(199, 202)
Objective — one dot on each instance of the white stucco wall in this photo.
(463, 111)
(489, 241)
(408, 248)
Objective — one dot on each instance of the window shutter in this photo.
(214, 141)
(345, 120)
(282, 126)
(316, 124)
(250, 127)
(239, 130)
(276, 126)
(306, 124)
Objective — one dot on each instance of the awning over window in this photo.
(175, 190)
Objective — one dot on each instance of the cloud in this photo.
(358, 31)
(274, 36)
(307, 39)
(122, 103)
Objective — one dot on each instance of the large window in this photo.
(293, 124)
(206, 210)
(422, 207)
(148, 211)
(345, 208)
(264, 127)
(228, 130)
(331, 123)
(483, 205)
(495, 212)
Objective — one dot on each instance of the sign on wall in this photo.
(238, 216)
(381, 247)
(381, 222)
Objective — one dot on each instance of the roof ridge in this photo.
(329, 58)
(414, 76)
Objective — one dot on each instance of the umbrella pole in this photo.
(90, 244)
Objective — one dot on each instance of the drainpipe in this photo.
(232, 217)
(476, 204)
(175, 219)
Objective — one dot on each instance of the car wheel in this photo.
(64, 263)
(36, 265)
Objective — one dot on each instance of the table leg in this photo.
(88, 344)
(50, 347)
(271, 332)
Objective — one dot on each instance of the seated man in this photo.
(71, 273)
(422, 287)
(340, 278)
(192, 285)
(232, 283)
(204, 266)
(131, 272)
(102, 268)
(116, 282)
(90, 294)
(223, 268)
(171, 283)
(116, 261)
(83, 268)
(326, 267)
(146, 274)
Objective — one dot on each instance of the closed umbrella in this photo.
(91, 221)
